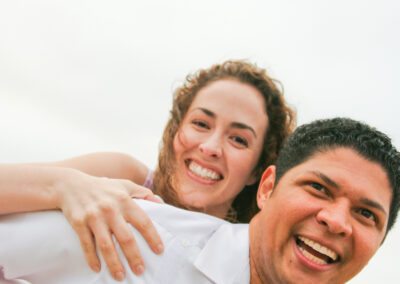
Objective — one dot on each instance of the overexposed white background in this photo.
(84, 76)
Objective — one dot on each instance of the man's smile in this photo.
(316, 252)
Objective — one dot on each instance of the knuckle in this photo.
(143, 191)
(106, 207)
(78, 220)
(105, 246)
(147, 191)
(145, 225)
(126, 240)
(87, 246)
(122, 196)
(91, 213)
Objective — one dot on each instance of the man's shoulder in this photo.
(203, 238)
(180, 222)
(165, 212)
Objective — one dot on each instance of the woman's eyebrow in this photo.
(234, 124)
(243, 126)
(207, 112)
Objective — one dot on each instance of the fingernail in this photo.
(96, 268)
(119, 275)
(139, 269)
(160, 248)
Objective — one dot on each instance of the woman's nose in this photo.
(212, 146)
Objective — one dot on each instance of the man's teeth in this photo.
(203, 172)
(312, 257)
(319, 248)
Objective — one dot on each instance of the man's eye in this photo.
(318, 186)
(240, 141)
(367, 214)
(200, 124)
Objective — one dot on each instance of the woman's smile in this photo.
(206, 174)
(217, 148)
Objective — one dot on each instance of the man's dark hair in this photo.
(324, 135)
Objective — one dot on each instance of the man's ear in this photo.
(266, 186)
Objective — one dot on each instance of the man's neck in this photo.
(256, 277)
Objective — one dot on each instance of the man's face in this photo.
(323, 222)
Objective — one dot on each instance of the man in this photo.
(336, 196)
(325, 209)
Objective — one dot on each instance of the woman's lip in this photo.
(197, 178)
(209, 167)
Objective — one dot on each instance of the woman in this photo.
(227, 125)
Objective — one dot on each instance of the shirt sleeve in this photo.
(41, 247)
(149, 180)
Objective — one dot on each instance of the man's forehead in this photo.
(336, 158)
(344, 168)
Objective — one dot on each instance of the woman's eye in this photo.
(200, 124)
(240, 140)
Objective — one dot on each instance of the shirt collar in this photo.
(225, 257)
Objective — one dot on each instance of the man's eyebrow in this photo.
(326, 179)
(364, 200)
(373, 204)
(239, 125)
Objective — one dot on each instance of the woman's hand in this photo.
(99, 207)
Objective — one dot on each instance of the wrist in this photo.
(63, 186)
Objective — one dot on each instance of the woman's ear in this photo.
(266, 186)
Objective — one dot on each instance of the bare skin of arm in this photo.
(94, 192)
(105, 164)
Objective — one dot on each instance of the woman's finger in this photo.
(154, 198)
(138, 218)
(128, 244)
(140, 192)
(141, 221)
(88, 246)
(107, 249)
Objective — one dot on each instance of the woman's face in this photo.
(218, 145)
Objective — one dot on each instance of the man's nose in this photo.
(212, 146)
(336, 216)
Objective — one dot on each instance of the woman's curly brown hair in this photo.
(281, 124)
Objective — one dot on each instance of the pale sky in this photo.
(85, 76)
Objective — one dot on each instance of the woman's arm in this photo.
(94, 206)
(29, 188)
(106, 164)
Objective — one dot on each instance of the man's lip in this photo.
(322, 241)
(311, 263)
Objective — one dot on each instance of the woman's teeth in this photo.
(203, 172)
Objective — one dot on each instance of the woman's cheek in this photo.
(242, 161)
(180, 141)
(190, 137)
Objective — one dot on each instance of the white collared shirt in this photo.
(42, 248)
